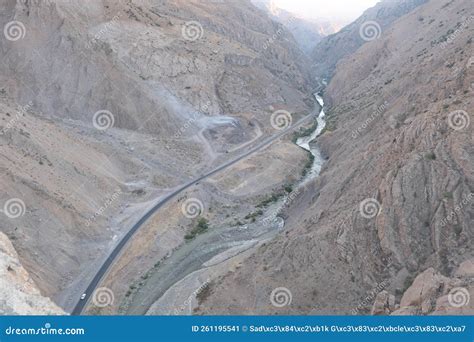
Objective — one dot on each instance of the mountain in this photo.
(125, 48)
(107, 106)
(107, 109)
(307, 33)
(20, 295)
(390, 218)
(367, 27)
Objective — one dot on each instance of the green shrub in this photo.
(201, 227)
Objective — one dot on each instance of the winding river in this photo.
(184, 266)
(305, 143)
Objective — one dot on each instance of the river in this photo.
(305, 143)
(192, 257)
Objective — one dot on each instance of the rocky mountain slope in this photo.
(307, 33)
(136, 58)
(104, 108)
(367, 27)
(107, 107)
(395, 198)
(432, 293)
(69, 191)
(19, 293)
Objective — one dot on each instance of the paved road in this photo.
(81, 304)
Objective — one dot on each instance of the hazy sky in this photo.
(340, 9)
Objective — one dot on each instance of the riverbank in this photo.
(158, 257)
(215, 252)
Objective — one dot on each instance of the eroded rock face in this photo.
(18, 293)
(433, 293)
(167, 88)
(426, 286)
(384, 304)
(308, 33)
(136, 58)
(395, 196)
(335, 47)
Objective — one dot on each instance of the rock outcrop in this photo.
(163, 57)
(433, 294)
(395, 195)
(176, 85)
(18, 292)
(368, 27)
(307, 33)
(185, 82)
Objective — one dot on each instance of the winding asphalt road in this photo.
(81, 303)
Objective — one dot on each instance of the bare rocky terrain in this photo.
(331, 49)
(395, 196)
(307, 33)
(19, 293)
(173, 100)
(105, 109)
(432, 293)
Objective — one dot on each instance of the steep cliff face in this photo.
(19, 294)
(68, 189)
(395, 196)
(393, 201)
(105, 107)
(369, 26)
(137, 58)
(307, 33)
(432, 293)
